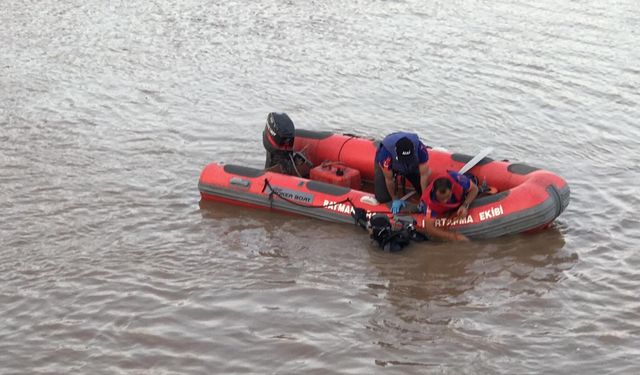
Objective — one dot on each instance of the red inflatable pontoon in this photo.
(526, 198)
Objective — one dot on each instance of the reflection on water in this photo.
(450, 296)
(447, 273)
(437, 272)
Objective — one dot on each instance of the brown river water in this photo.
(110, 264)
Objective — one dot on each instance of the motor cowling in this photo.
(279, 132)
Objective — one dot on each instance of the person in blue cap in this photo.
(400, 154)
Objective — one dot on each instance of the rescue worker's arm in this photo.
(390, 182)
(432, 231)
(425, 173)
(463, 210)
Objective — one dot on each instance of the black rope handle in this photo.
(344, 143)
(274, 192)
(347, 200)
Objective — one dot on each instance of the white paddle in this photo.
(476, 159)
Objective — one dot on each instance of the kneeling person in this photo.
(278, 138)
(446, 194)
(400, 154)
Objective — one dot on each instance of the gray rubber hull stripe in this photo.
(276, 203)
(517, 222)
(313, 134)
(521, 221)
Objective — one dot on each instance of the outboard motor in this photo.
(279, 133)
(278, 137)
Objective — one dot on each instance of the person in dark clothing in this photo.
(400, 154)
(278, 138)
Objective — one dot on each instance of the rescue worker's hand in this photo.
(397, 205)
(463, 211)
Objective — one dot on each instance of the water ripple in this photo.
(110, 264)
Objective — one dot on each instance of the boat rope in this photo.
(351, 136)
(357, 211)
(273, 192)
(293, 164)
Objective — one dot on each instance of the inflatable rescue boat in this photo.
(523, 198)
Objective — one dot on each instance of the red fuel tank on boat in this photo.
(337, 174)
